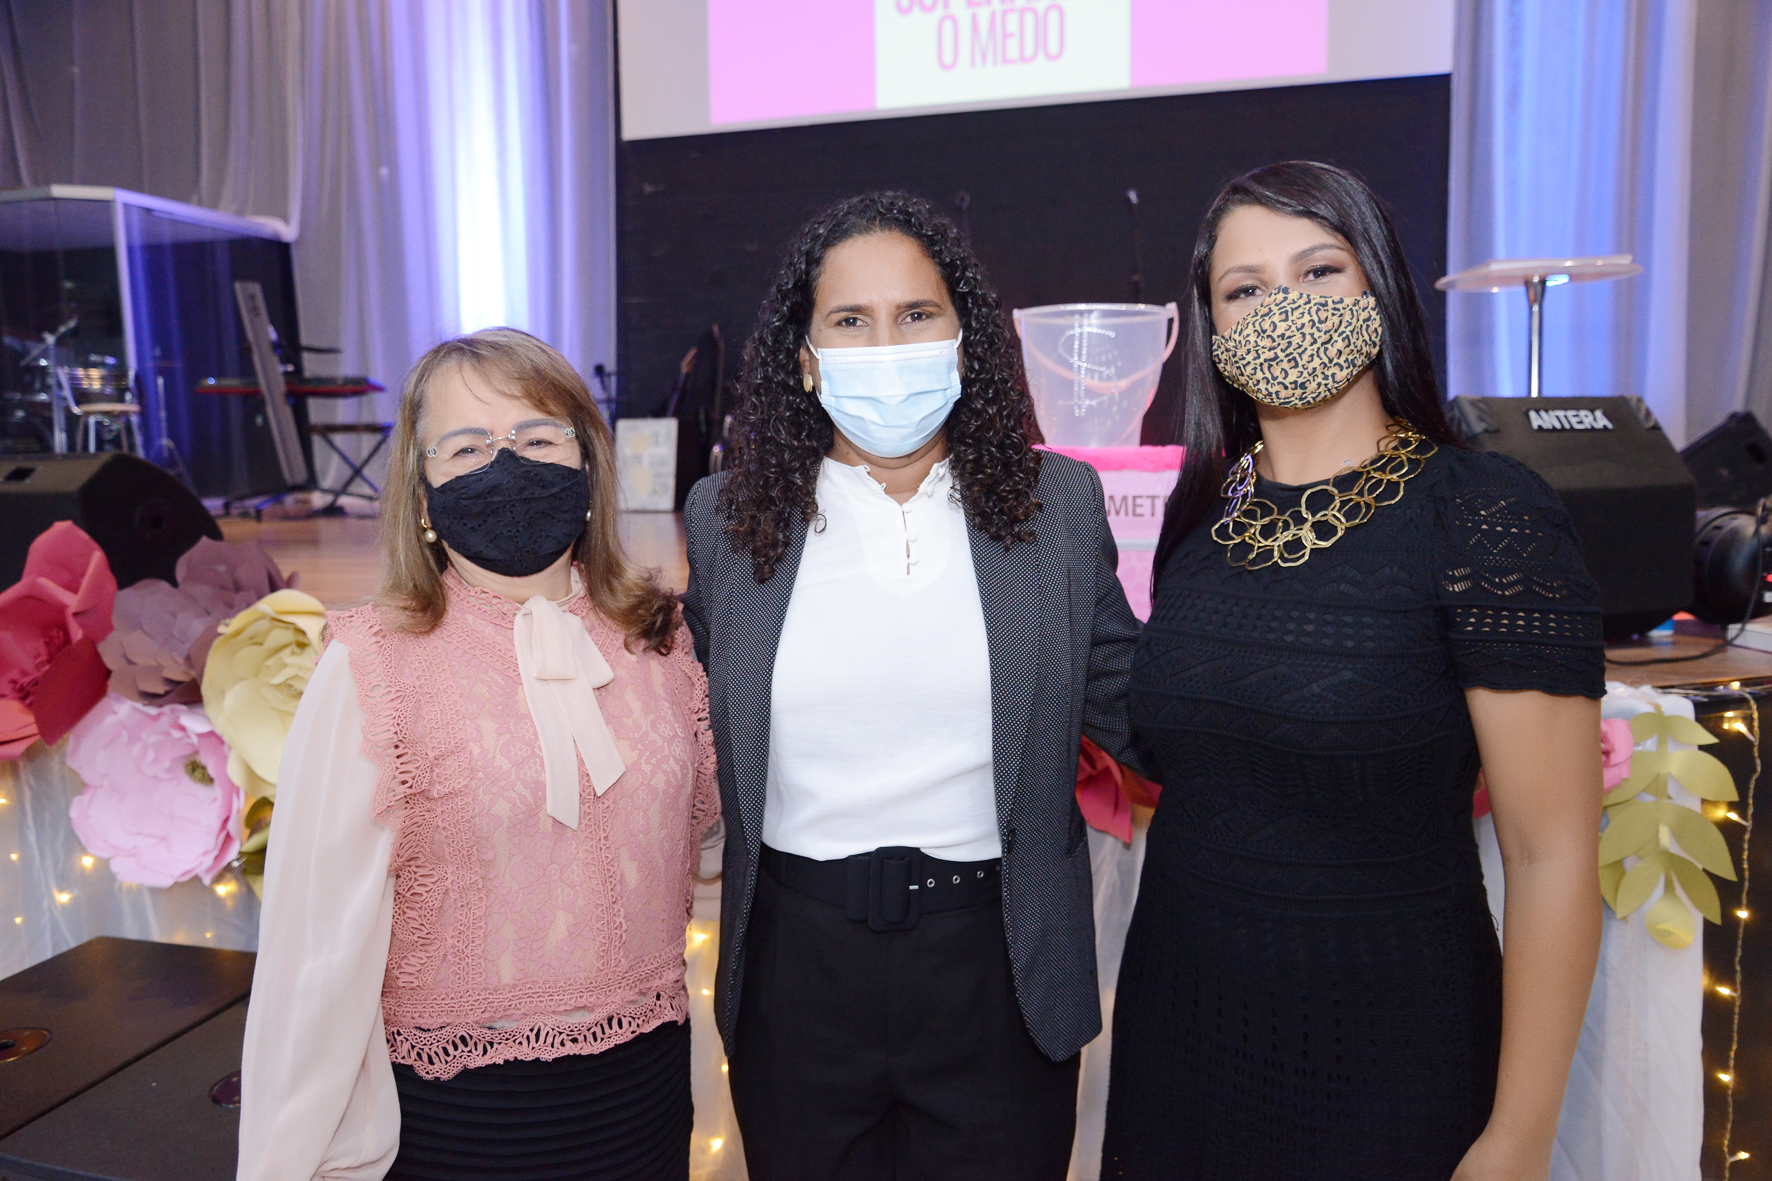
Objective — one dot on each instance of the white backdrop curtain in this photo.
(1729, 317)
(445, 167)
(193, 100)
(459, 173)
(1585, 127)
(1571, 136)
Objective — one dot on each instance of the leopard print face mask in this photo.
(1296, 349)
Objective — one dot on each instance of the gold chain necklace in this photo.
(1255, 533)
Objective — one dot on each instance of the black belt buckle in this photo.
(895, 887)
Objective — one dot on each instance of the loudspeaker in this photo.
(141, 516)
(1628, 493)
(162, 1118)
(1731, 463)
(117, 1047)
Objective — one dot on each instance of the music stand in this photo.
(1537, 274)
(257, 321)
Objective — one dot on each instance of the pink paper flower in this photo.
(163, 632)
(1616, 743)
(51, 622)
(158, 801)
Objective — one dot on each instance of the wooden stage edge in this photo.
(339, 563)
(1731, 666)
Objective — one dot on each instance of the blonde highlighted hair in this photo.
(527, 368)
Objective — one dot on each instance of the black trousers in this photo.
(624, 1113)
(866, 1055)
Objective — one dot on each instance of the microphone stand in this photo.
(1136, 283)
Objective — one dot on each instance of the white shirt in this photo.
(317, 1096)
(880, 722)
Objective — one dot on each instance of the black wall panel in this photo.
(703, 219)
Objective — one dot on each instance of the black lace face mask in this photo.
(514, 516)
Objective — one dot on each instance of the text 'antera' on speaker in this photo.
(1629, 496)
(140, 515)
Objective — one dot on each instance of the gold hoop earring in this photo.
(806, 380)
(430, 534)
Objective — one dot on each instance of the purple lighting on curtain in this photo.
(487, 120)
(1570, 137)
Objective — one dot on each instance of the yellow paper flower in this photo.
(257, 670)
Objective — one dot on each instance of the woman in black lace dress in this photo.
(1353, 613)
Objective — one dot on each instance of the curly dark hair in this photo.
(781, 433)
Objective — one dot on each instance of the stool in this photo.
(328, 431)
(122, 415)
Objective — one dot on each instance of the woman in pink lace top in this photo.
(489, 810)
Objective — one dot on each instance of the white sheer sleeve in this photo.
(317, 1093)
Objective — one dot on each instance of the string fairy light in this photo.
(1733, 991)
(1741, 913)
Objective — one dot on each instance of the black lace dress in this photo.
(1311, 985)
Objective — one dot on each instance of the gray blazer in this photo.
(1061, 638)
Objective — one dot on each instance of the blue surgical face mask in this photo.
(891, 399)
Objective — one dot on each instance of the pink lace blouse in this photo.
(422, 906)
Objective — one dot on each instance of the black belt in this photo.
(889, 888)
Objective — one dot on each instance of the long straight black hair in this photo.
(1218, 422)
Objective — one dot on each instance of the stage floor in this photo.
(339, 558)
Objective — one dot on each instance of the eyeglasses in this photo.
(468, 449)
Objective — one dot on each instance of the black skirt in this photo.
(623, 1113)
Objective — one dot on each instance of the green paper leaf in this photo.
(1698, 887)
(1646, 765)
(1702, 774)
(1610, 877)
(1685, 730)
(1699, 839)
(1639, 883)
(1645, 726)
(1671, 922)
(1632, 826)
(1633, 787)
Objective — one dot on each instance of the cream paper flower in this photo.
(258, 667)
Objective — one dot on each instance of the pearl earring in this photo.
(587, 514)
(806, 380)
(430, 533)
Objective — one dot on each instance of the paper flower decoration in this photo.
(159, 803)
(258, 667)
(1106, 792)
(51, 622)
(163, 632)
(1672, 844)
(1616, 744)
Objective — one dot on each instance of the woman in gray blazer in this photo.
(908, 615)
